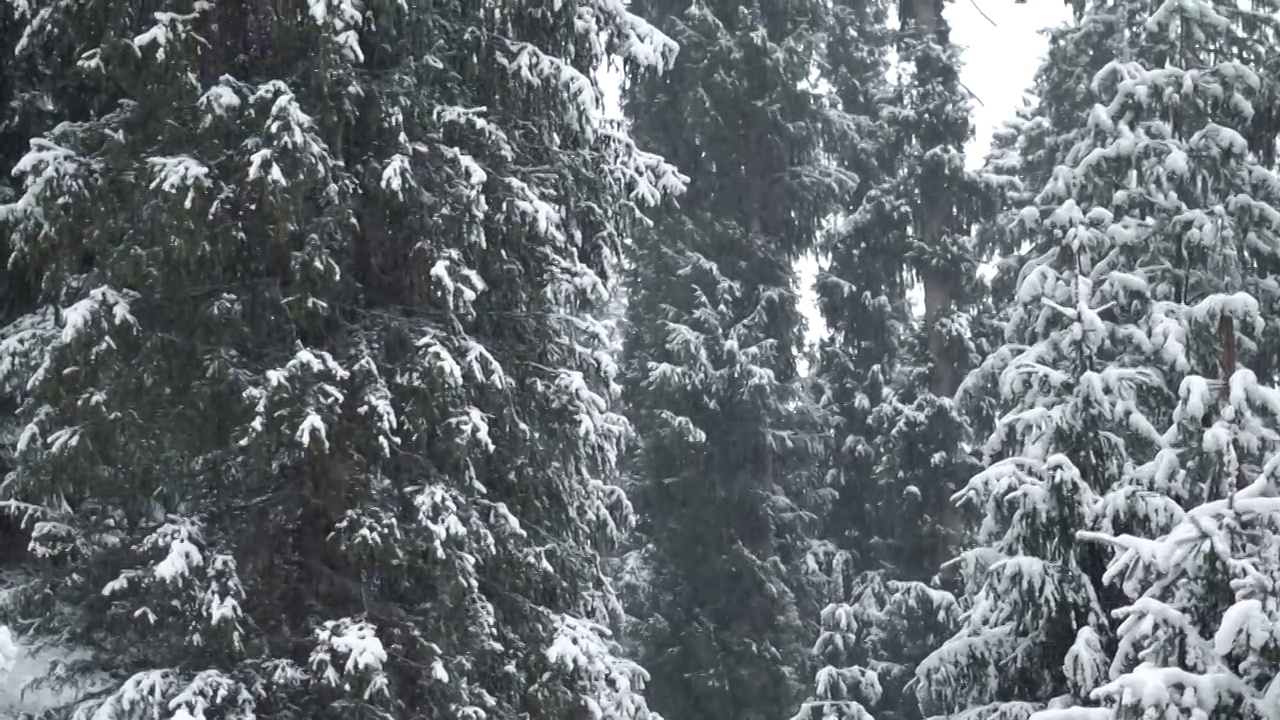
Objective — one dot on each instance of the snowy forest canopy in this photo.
(358, 362)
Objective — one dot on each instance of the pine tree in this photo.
(1028, 149)
(1025, 153)
(928, 201)
(1165, 216)
(934, 115)
(861, 285)
(1201, 637)
(315, 403)
(726, 438)
(918, 209)
(1059, 390)
(1194, 529)
(1071, 377)
(899, 446)
(23, 113)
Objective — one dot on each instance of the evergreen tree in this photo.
(933, 116)
(726, 437)
(926, 202)
(1194, 533)
(1167, 218)
(23, 113)
(315, 403)
(861, 286)
(1200, 638)
(888, 375)
(1027, 150)
(1036, 625)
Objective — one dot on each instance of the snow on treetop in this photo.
(220, 99)
(168, 26)
(355, 641)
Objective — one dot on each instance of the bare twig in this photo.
(983, 14)
(974, 94)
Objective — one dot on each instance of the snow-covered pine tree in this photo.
(869, 644)
(1080, 399)
(1161, 174)
(1039, 139)
(1102, 31)
(861, 285)
(1195, 526)
(1071, 377)
(862, 288)
(21, 116)
(1028, 149)
(316, 409)
(1201, 637)
(918, 209)
(899, 448)
(932, 114)
(930, 201)
(714, 337)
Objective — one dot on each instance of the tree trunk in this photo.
(1226, 368)
(939, 290)
(937, 307)
(933, 216)
(926, 14)
(1227, 350)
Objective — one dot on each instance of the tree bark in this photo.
(933, 215)
(938, 298)
(926, 14)
(1227, 350)
(939, 290)
(1226, 368)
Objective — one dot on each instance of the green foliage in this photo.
(897, 449)
(722, 470)
(1134, 429)
(316, 405)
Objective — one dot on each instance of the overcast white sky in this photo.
(1000, 60)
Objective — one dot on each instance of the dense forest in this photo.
(359, 360)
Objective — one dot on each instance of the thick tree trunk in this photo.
(939, 290)
(933, 216)
(926, 14)
(938, 295)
